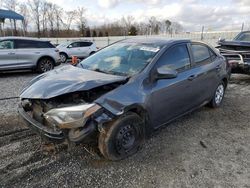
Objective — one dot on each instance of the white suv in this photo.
(80, 49)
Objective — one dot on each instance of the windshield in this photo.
(243, 37)
(121, 58)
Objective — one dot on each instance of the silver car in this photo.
(80, 49)
(27, 53)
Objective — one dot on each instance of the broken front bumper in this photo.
(40, 128)
(84, 134)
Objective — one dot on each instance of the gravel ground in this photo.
(207, 148)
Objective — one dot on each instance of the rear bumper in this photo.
(38, 127)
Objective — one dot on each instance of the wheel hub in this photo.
(219, 94)
(126, 139)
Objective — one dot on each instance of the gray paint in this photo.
(163, 100)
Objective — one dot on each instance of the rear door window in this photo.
(201, 54)
(24, 44)
(45, 45)
(86, 44)
(176, 58)
(75, 45)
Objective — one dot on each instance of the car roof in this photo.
(156, 41)
(244, 32)
(23, 38)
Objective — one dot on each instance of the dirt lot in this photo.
(207, 148)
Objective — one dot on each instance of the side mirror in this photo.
(221, 39)
(164, 72)
(70, 46)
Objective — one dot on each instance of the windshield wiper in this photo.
(99, 70)
(110, 72)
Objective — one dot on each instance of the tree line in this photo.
(50, 20)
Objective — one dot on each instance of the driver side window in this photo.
(75, 45)
(6, 44)
(176, 58)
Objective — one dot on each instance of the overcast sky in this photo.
(192, 14)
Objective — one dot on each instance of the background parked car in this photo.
(237, 52)
(80, 49)
(27, 53)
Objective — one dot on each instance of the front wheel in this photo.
(45, 64)
(218, 96)
(122, 138)
(63, 57)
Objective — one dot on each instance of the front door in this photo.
(173, 97)
(8, 59)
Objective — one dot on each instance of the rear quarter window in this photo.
(45, 45)
(86, 44)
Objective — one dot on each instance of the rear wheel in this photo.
(45, 64)
(122, 138)
(218, 96)
(63, 57)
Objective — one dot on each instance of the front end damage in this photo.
(74, 117)
(237, 55)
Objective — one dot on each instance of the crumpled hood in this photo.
(65, 80)
(234, 43)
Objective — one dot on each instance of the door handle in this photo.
(11, 53)
(218, 68)
(192, 77)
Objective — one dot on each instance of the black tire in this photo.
(122, 138)
(218, 96)
(91, 53)
(45, 64)
(63, 57)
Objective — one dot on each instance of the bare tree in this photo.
(11, 5)
(44, 16)
(51, 18)
(127, 22)
(153, 25)
(35, 6)
(25, 12)
(58, 18)
(70, 16)
(81, 20)
(176, 27)
(168, 25)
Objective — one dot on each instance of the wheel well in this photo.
(140, 111)
(225, 81)
(45, 57)
(65, 54)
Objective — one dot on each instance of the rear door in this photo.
(207, 67)
(8, 58)
(85, 49)
(27, 52)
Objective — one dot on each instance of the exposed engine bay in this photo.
(38, 109)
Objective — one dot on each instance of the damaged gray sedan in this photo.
(119, 95)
